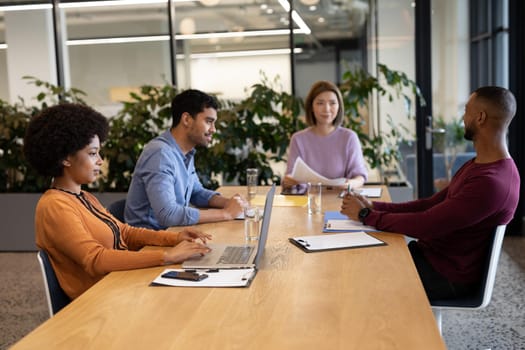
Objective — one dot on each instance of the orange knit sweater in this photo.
(80, 245)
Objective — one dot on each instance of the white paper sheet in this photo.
(303, 173)
(345, 226)
(371, 192)
(337, 241)
(221, 278)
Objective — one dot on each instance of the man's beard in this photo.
(468, 134)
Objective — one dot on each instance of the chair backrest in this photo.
(117, 209)
(55, 295)
(483, 295)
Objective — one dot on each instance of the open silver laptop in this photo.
(228, 256)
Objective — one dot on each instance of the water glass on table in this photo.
(252, 218)
(251, 181)
(314, 198)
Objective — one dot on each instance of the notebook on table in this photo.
(235, 256)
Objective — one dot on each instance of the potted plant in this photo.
(252, 133)
(141, 119)
(380, 149)
(450, 144)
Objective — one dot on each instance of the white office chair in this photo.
(481, 298)
(55, 295)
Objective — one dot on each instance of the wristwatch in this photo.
(363, 213)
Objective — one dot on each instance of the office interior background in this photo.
(109, 48)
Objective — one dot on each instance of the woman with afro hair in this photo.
(83, 240)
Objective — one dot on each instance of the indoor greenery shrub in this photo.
(380, 149)
(253, 132)
(16, 175)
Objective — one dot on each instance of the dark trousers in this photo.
(436, 286)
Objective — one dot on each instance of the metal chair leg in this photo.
(437, 316)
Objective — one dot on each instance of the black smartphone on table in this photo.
(295, 190)
(184, 275)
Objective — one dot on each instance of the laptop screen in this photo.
(265, 225)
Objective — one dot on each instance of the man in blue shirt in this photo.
(165, 182)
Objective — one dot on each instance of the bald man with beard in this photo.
(454, 227)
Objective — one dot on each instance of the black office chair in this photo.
(117, 209)
(481, 298)
(55, 295)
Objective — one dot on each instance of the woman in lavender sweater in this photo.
(325, 146)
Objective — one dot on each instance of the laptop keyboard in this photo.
(236, 255)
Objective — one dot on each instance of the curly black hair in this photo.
(59, 131)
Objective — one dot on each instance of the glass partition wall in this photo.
(3, 63)
(220, 46)
(110, 48)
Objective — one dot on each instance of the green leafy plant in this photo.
(450, 142)
(16, 175)
(254, 132)
(140, 120)
(380, 149)
(452, 136)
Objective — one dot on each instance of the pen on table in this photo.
(303, 242)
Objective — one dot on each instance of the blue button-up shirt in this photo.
(163, 186)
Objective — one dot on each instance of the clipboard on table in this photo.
(214, 278)
(335, 241)
(334, 221)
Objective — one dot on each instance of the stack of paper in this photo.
(301, 172)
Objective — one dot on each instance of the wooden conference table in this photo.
(366, 298)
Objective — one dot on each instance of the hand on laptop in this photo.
(191, 234)
(184, 250)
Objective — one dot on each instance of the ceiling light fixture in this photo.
(121, 40)
(210, 3)
(137, 39)
(237, 34)
(296, 18)
(26, 7)
(247, 53)
(310, 2)
(187, 25)
(70, 5)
